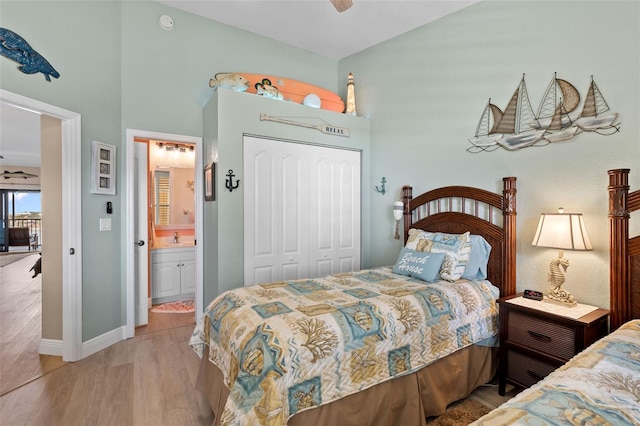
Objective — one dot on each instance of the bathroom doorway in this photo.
(164, 224)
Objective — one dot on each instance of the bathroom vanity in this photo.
(173, 273)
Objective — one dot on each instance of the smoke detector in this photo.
(166, 22)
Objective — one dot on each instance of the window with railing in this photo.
(21, 209)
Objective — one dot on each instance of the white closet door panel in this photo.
(347, 206)
(348, 264)
(264, 206)
(302, 210)
(323, 268)
(262, 275)
(293, 272)
(294, 222)
(335, 223)
(261, 211)
(322, 191)
(347, 253)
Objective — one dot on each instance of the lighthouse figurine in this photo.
(351, 95)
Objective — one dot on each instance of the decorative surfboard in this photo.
(282, 88)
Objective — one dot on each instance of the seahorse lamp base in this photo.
(556, 278)
(566, 300)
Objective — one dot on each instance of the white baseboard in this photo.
(90, 347)
(103, 341)
(50, 347)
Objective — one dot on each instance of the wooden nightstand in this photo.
(534, 341)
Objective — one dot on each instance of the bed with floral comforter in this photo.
(599, 386)
(287, 347)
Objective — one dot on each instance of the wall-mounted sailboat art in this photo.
(559, 118)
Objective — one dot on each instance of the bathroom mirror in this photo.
(173, 196)
(171, 185)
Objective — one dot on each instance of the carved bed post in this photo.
(619, 291)
(406, 199)
(509, 227)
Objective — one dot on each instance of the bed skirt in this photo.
(406, 400)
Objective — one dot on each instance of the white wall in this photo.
(424, 93)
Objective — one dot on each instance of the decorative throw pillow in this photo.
(421, 265)
(457, 248)
(476, 268)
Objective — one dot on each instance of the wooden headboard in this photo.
(457, 209)
(624, 251)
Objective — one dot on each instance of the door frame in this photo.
(129, 238)
(71, 223)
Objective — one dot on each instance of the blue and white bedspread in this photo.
(599, 386)
(285, 347)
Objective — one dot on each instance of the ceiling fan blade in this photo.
(341, 5)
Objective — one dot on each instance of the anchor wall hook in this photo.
(382, 190)
(229, 182)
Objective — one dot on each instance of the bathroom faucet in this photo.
(175, 237)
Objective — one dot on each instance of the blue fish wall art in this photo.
(17, 49)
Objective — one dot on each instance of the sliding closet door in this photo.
(275, 219)
(301, 210)
(334, 211)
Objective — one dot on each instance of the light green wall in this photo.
(120, 70)
(424, 92)
(82, 41)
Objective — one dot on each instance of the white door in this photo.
(141, 233)
(71, 222)
(275, 223)
(299, 219)
(334, 212)
(131, 218)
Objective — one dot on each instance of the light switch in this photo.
(105, 224)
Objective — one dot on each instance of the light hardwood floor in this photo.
(146, 380)
(21, 325)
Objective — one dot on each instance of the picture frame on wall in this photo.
(103, 168)
(209, 182)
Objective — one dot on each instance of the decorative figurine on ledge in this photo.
(351, 96)
(229, 80)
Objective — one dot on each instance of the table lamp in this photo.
(563, 231)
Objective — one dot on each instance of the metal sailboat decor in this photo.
(558, 118)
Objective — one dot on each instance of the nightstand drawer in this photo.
(526, 370)
(541, 335)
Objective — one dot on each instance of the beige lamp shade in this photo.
(564, 231)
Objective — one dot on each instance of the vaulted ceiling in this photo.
(312, 25)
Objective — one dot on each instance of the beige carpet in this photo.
(460, 413)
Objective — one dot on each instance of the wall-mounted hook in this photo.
(383, 182)
(229, 182)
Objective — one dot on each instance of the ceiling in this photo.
(312, 25)
(316, 26)
(19, 137)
